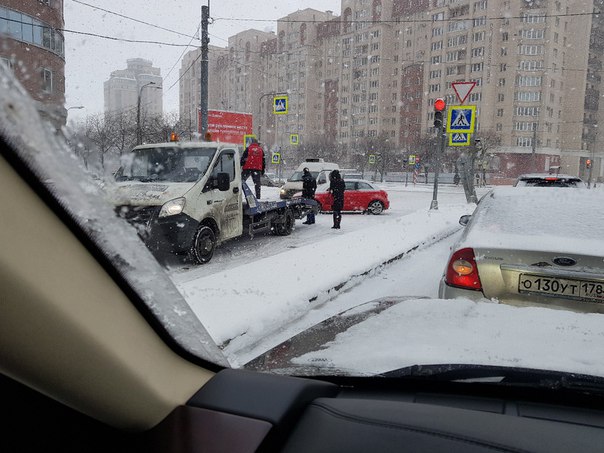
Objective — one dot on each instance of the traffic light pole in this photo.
(439, 123)
(441, 150)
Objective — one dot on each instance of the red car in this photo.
(359, 196)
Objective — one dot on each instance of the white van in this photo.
(319, 169)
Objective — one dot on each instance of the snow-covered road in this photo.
(280, 280)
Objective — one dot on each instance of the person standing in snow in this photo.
(336, 188)
(253, 162)
(309, 186)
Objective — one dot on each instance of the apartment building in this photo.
(190, 84)
(124, 87)
(293, 65)
(33, 41)
(376, 70)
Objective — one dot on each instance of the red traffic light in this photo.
(440, 105)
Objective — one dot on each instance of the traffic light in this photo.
(439, 107)
(588, 163)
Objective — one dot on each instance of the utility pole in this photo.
(205, 40)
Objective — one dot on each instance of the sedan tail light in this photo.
(462, 271)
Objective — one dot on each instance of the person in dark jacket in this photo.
(309, 186)
(253, 162)
(336, 188)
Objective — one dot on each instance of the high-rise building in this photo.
(139, 80)
(376, 70)
(33, 47)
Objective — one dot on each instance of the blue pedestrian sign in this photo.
(280, 105)
(462, 118)
(459, 139)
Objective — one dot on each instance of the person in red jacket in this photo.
(253, 162)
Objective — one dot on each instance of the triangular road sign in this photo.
(463, 89)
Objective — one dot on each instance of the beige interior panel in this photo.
(67, 330)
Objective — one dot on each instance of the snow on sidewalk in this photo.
(259, 298)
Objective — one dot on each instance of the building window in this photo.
(47, 83)
(30, 30)
(525, 142)
(478, 36)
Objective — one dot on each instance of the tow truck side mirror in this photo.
(223, 181)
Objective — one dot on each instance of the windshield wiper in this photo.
(501, 375)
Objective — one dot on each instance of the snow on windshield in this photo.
(166, 164)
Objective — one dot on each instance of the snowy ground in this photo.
(286, 285)
(280, 279)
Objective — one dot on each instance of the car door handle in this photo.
(235, 189)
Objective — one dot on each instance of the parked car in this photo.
(319, 169)
(523, 246)
(360, 195)
(548, 180)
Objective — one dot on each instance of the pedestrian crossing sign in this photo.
(294, 139)
(280, 105)
(459, 139)
(461, 118)
(276, 158)
(372, 159)
(247, 140)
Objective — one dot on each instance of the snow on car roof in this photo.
(539, 219)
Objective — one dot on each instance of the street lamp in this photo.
(139, 135)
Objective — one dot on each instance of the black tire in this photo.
(320, 207)
(284, 228)
(376, 207)
(204, 243)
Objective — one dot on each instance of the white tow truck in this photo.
(188, 197)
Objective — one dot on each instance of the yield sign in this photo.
(463, 89)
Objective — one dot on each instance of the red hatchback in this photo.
(359, 196)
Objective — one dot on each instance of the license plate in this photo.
(582, 289)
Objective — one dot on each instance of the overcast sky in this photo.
(90, 59)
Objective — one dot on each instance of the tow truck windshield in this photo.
(168, 164)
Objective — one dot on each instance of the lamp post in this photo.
(139, 135)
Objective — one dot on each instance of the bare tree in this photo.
(99, 133)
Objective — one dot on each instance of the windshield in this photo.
(551, 182)
(297, 176)
(426, 106)
(165, 164)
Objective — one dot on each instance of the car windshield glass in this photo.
(297, 176)
(138, 127)
(548, 182)
(165, 164)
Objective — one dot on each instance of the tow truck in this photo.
(188, 197)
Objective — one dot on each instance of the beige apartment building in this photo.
(141, 80)
(377, 68)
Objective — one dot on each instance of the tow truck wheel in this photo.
(204, 243)
(285, 228)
